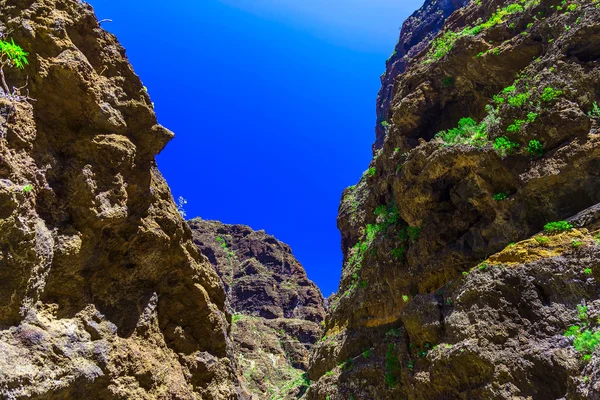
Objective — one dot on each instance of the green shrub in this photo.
(536, 148)
(542, 240)
(27, 188)
(499, 99)
(392, 366)
(504, 146)
(576, 243)
(380, 210)
(531, 117)
(413, 232)
(519, 100)
(516, 125)
(11, 55)
(467, 132)
(556, 227)
(501, 196)
(398, 253)
(585, 339)
(371, 171)
(443, 44)
(367, 354)
(550, 94)
(595, 113)
(385, 124)
(235, 318)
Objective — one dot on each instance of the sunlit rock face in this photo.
(277, 310)
(451, 288)
(103, 294)
(416, 33)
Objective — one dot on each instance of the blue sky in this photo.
(272, 103)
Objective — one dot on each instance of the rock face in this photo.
(103, 294)
(416, 33)
(449, 290)
(277, 310)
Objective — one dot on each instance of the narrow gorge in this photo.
(471, 244)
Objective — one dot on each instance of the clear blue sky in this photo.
(272, 103)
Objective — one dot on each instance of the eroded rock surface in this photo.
(103, 294)
(449, 291)
(277, 311)
(416, 33)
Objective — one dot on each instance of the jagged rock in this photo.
(434, 301)
(103, 294)
(416, 33)
(277, 311)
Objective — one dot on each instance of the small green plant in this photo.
(531, 117)
(235, 318)
(595, 113)
(585, 339)
(385, 124)
(576, 243)
(371, 171)
(467, 132)
(367, 354)
(449, 81)
(405, 298)
(519, 100)
(516, 125)
(535, 148)
(482, 266)
(392, 366)
(11, 55)
(504, 146)
(556, 227)
(380, 210)
(550, 94)
(413, 232)
(27, 188)
(501, 196)
(587, 271)
(542, 240)
(398, 253)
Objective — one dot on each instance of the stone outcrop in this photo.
(277, 311)
(451, 289)
(103, 294)
(416, 33)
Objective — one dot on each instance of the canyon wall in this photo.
(103, 294)
(471, 245)
(277, 311)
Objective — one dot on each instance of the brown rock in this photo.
(103, 293)
(277, 311)
(426, 214)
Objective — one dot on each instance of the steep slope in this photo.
(103, 294)
(277, 309)
(449, 290)
(416, 33)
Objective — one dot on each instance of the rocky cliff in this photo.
(416, 33)
(277, 310)
(103, 294)
(471, 245)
